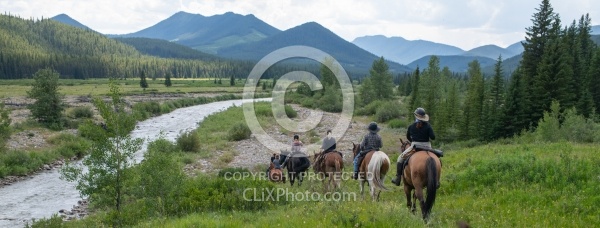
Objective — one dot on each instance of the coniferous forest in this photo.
(559, 64)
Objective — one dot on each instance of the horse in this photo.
(373, 169)
(275, 174)
(296, 165)
(422, 171)
(331, 165)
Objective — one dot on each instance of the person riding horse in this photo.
(329, 145)
(419, 133)
(371, 142)
(275, 161)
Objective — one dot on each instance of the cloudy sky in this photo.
(462, 23)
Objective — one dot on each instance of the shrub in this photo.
(151, 107)
(231, 171)
(387, 111)
(397, 123)
(81, 112)
(162, 146)
(188, 142)
(290, 112)
(239, 131)
(222, 194)
(369, 109)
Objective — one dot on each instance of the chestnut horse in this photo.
(373, 168)
(422, 171)
(276, 174)
(329, 166)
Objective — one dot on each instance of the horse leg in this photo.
(373, 190)
(291, 177)
(362, 189)
(407, 190)
(419, 195)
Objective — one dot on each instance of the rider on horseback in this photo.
(418, 134)
(329, 145)
(371, 141)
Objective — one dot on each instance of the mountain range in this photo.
(65, 19)
(246, 37)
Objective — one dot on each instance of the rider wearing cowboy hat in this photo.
(418, 134)
(371, 141)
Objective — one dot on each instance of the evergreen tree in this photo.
(473, 106)
(555, 72)
(515, 113)
(48, 106)
(429, 87)
(379, 85)
(493, 103)
(232, 80)
(536, 40)
(595, 78)
(414, 97)
(143, 82)
(382, 79)
(168, 80)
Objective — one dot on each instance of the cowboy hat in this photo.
(373, 127)
(421, 115)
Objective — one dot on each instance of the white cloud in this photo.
(463, 23)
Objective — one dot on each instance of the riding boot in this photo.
(398, 177)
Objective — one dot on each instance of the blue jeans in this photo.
(356, 162)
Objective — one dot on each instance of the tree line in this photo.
(559, 64)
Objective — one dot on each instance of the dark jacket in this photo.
(371, 141)
(422, 134)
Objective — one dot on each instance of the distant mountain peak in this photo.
(66, 19)
(208, 33)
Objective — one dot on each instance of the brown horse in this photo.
(373, 169)
(329, 166)
(422, 171)
(275, 174)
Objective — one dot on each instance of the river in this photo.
(44, 194)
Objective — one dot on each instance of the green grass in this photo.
(529, 185)
(11, 88)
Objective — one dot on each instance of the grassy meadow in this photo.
(9, 88)
(509, 183)
(527, 185)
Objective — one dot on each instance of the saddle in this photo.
(416, 148)
(323, 155)
(437, 152)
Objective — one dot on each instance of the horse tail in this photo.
(431, 185)
(377, 160)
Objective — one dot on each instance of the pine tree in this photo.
(232, 80)
(536, 40)
(473, 106)
(168, 80)
(143, 82)
(595, 78)
(382, 79)
(414, 97)
(429, 87)
(515, 116)
(379, 84)
(494, 102)
(555, 72)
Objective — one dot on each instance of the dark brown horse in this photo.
(372, 169)
(422, 171)
(330, 166)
